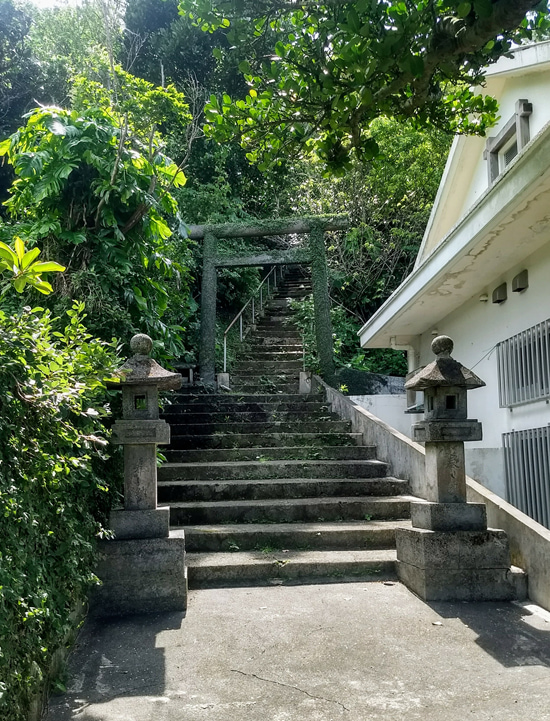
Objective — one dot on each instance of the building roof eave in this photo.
(493, 235)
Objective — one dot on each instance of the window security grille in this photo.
(527, 469)
(524, 366)
(510, 154)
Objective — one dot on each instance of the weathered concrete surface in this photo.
(449, 516)
(529, 541)
(360, 652)
(141, 575)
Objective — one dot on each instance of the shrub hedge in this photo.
(53, 493)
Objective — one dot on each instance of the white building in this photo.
(482, 276)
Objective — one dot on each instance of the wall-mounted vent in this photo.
(520, 282)
(527, 469)
(524, 366)
(500, 294)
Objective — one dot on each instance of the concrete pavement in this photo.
(358, 652)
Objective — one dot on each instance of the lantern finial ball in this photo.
(141, 344)
(442, 346)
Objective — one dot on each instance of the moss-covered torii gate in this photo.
(313, 254)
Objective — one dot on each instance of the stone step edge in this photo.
(295, 567)
(276, 463)
(317, 527)
(196, 558)
(266, 450)
(287, 502)
(288, 481)
(233, 397)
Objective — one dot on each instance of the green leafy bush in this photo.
(53, 496)
(347, 352)
(97, 199)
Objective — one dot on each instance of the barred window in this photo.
(524, 366)
(527, 469)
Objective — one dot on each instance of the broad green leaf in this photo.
(7, 253)
(29, 256)
(42, 287)
(47, 267)
(19, 284)
(179, 179)
(19, 249)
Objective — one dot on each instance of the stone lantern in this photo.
(449, 554)
(140, 431)
(143, 568)
(446, 426)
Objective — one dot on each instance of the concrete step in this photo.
(265, 380)
(358, 535)
(257, 416)
(279, 327)
(255, 365)
(219, 570)
(278, 334)
(260, 367)
(274, 355)
(205, 429)
(239, 386)
(290, 510)
(264, 440)
(227, 406)
(262, 343)
(250, 470)
(278, 315)
(255, 490)
(222, 398)
(213, 455)
(294, 293)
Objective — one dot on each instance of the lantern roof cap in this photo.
(141, 369)
(444, 371)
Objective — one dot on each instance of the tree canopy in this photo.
(320, 73)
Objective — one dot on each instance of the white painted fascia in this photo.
(518, 183)
(452, 167)
(525, 57)
(528, 58)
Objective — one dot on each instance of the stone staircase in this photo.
(269, 485)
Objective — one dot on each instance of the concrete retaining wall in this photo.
(529, 541)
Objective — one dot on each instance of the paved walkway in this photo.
(359, 652)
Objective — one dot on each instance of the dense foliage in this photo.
(388, 201)
(94, 101)
(334, 67)
(347, 353)
(98, 199)
(52, 487)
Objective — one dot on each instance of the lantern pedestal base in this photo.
(145, 575)
(449, 516)
(150, 523)
(455, 566)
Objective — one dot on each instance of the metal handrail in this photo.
(250, 301)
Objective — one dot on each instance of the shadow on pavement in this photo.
(511, 633)
(112, 658)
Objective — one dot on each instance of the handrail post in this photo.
(252, 310)
(241, 327)
(225, 353)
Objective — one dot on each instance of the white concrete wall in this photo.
(465, 178)
(534, 87)
(476, 327)
(389, 408)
